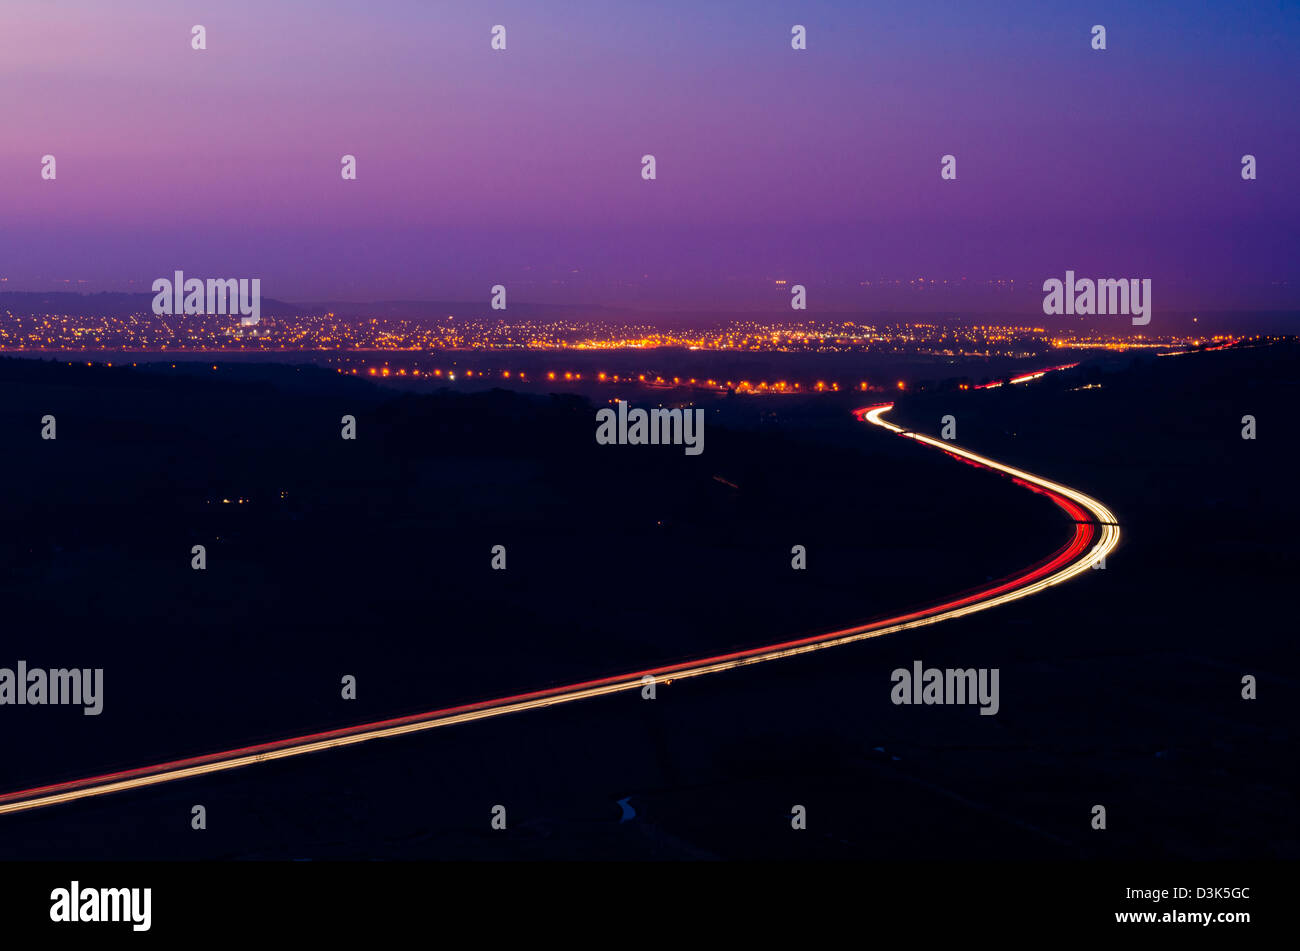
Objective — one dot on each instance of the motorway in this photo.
(1095, 535)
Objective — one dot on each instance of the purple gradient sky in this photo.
(522, 167)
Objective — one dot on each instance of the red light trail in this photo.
(1095, 535)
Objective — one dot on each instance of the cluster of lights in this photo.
(329, 333)
(650, 380)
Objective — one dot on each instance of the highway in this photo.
(1096, 534)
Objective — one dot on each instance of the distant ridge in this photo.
(418, 309)
(118, 304)
(107, 304)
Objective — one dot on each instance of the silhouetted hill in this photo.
(108, 304)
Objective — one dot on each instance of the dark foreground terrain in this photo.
(372, 558)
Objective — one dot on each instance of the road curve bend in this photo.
(1096, 534)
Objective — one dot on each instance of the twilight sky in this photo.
(523, 167)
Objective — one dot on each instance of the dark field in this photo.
(371, 558)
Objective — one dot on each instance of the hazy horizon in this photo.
(522, 166)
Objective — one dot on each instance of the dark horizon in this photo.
(925, 302)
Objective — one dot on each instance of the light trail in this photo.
(1026, 377)
(1096, 535)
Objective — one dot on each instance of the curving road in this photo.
(1095, 535)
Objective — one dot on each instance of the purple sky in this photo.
(523, 167)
